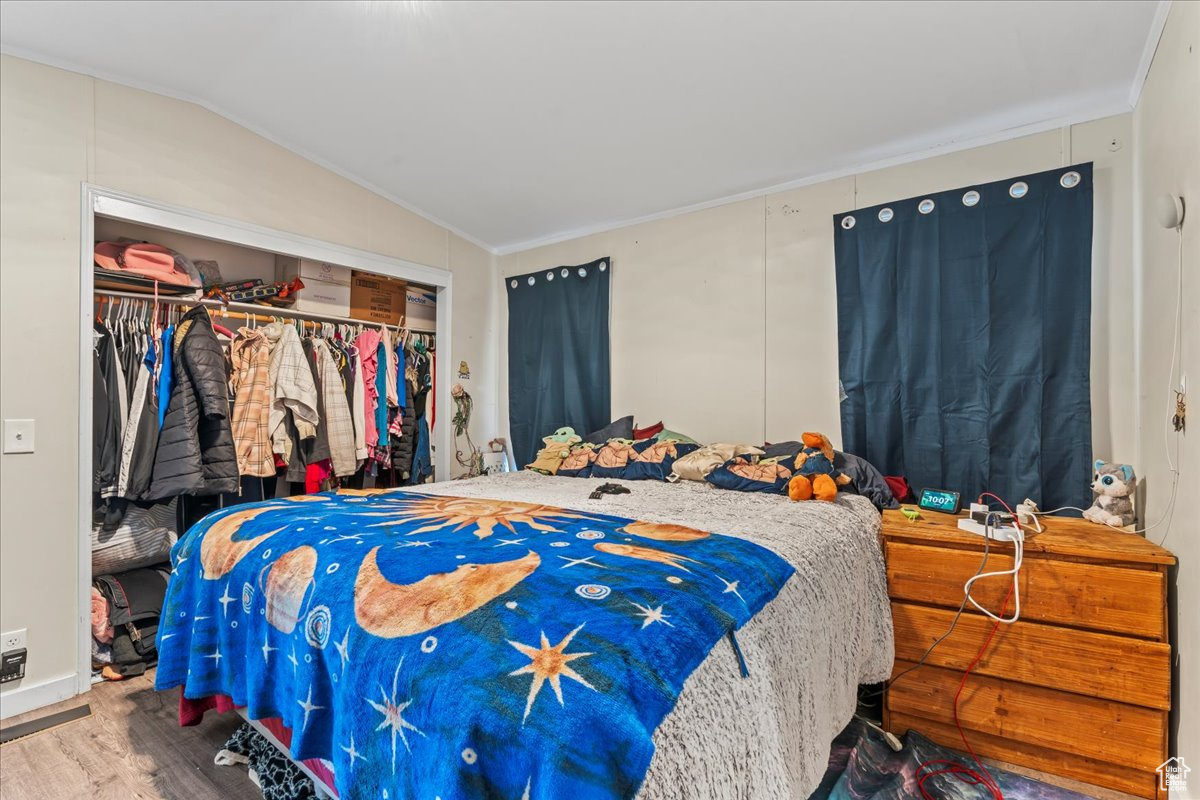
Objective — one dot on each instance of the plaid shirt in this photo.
(292, 388)
(251, 385)
(339, 427)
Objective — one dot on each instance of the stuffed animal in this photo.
(1113, 490)
(815, 475)
(579, 463)
(558, 447)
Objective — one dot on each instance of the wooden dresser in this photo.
(1080, 686)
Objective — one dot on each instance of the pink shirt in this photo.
(368, 353)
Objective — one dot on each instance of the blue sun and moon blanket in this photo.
(455, 647)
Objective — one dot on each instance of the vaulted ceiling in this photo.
(517, 123)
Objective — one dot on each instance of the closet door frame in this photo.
(99, 201)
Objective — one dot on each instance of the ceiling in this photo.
(520, 123)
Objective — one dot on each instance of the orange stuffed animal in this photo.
(815, 476)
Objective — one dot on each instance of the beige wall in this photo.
(1167, 161)
(60, 129)
(724, 321)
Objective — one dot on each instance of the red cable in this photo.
(960, 771)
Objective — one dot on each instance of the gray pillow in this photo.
(866, 479)
(617, 429)
(786, 449)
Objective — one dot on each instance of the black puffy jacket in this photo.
(195, 452)
(402, 452)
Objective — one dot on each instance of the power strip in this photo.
(1004, 533)
(972, 524)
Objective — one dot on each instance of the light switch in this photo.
(18, 436)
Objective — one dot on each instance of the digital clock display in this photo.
(939, 500)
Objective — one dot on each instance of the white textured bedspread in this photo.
(765, 737)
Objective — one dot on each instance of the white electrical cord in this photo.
(1018, 540)
(1172, 463)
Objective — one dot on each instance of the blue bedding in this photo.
(451, 647)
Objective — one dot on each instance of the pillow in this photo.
(648, 432)
(751, 473)
(785, 449)
(617, 429)
(697, 464)
(669, 435)
(578, 463)
(613, 458)
(867, 480)
(655, 458)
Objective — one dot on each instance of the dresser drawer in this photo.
(1100, 665)
(1083, 595)
(1104, 730)
(1137, 782)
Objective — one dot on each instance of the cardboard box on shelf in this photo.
(376, 298)
(326, 286)
(288, 267)
(420, 309)
(322, 297)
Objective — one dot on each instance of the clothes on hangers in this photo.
(195, 452)
(358, 406)
(385, 391)
(422, 463)
(293, 390)
(106, 411)
(315, 408)
(164, 373)
(336, 412)
(367, 344)
(250, 355)
(141, 433)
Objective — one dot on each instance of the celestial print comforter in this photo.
(440, 646)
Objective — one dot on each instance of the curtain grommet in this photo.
(565, 272)
(926, 206)
(514, 283)
(1018, 190)
(582, 272)
(970, 199)
(550, 275)
(886, 215)
(603, 266)
(1070, 180)
(848, 222)
(532, 280)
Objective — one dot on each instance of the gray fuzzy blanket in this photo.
(765, 737)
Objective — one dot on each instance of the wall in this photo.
(736, 304)
(59, 129)
(1167, 160)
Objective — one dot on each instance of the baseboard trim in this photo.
(38, 695)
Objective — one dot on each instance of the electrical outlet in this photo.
(13, 640)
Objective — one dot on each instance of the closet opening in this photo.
(231, 364)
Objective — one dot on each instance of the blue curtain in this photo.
(558, 364)
(964, 337)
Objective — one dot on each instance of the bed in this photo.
(756, 712)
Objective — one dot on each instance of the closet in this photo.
(226, 370)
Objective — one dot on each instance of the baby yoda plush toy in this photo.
(558, 446)
(1113, 490)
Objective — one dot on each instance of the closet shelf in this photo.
(264, 314)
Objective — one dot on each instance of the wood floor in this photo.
(132, 748)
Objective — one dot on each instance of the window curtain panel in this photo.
(964, 337)
(558, 360)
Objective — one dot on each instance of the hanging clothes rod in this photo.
(247, 311)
